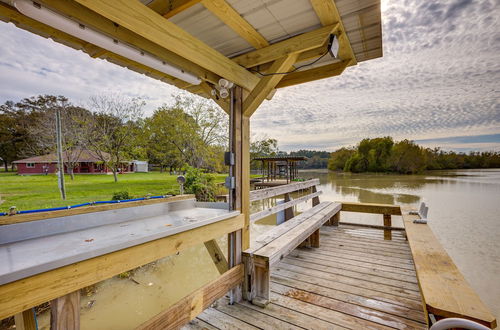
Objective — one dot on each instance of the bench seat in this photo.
(274, 245)
(445, 292)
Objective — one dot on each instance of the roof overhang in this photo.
(215, 39)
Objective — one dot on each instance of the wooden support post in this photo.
(262, 278)
(25, 320)
(315, 200)
(387, 223)
(334, 221)
(65, 312)
(217, 256)
(289, 211)
(241, 198)
(314, 239)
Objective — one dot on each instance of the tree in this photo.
(111, 128)
(407, 158)
(13, 135)
(339, 158)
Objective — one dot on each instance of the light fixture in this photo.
(333, 46)
(59, 22)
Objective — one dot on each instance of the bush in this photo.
(201, 184)
(120, 195)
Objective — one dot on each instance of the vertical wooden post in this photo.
(241, 197)
(387, 223)
(289, 211)
(65, 312)
(315, 200)
(262, 289)
(25, 320)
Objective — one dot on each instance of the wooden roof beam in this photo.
(267, 84)
(170, 8)
(233, 19)
(224, 104)
(294, 45)
(328, 14)
(145, 22)
(318, 73)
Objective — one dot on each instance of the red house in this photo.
(88, 163)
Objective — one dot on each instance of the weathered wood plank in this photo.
(310, 264)
(195, 303)
(198, 324)
(360, 283)
(21, 295)
(388, 257)
(371, 208)
(281, 246)
(370, 226)
(346, 308)
(445, 291)
(280, 207)
(259, 194)
(223, 320)
(65, 312)
(354, 290)
(323, 313)
(382, 306)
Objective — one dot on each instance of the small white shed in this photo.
(140, 166)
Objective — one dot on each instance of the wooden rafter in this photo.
(267, 84)
(321, 72)
(233, 19)
(328, 14)
(170, 8)
(294, 45)
(145, 22)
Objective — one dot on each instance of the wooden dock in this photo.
(354, 280)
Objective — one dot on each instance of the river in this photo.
(464, 213)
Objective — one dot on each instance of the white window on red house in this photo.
(30, 165)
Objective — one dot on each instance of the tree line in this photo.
(191, 132)
(406, 157)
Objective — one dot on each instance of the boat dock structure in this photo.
(311, 270)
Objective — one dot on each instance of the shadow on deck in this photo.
(355, 280)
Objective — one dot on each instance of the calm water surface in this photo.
(464, 213)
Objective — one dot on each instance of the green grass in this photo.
(41, 191)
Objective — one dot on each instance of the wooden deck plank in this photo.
(343, 272)
(198, 324)
(346, 308)
(367, 253)
(224, 321)
(382, 296)
(382, 306)
(254, 317)
(396, 291)
(323, 313)
(297, 318)
(355, 247)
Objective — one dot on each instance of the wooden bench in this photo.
(445, 292)
(274, 245)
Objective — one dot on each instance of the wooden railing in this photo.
(387, 211)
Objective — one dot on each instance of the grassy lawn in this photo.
(41, 191)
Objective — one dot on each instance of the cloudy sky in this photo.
(438, 82)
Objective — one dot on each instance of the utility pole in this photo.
(60, 163)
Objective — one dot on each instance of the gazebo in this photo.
(279, 167)
(235, 52)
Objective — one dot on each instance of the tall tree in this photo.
(111, 128)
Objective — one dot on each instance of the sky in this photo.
(438, 82)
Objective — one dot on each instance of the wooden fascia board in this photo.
(267, 84)
(145, 22)
(318, 73)
(238, 24)
(87, 16)
(18, 296)
(327, 12)
(294, 45)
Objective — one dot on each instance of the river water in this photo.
(464, 213)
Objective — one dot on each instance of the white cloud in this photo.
(439, 77)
